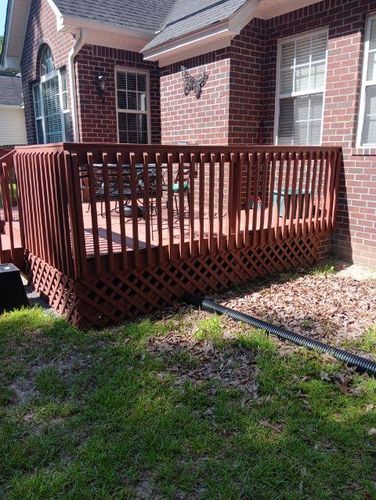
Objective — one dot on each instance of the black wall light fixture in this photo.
(101, 86)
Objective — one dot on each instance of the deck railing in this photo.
(97, 207)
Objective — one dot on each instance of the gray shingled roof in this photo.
(172, 18)
(10, 90)
(147, 15)
(189, 16)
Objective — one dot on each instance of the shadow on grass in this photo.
(107, 418)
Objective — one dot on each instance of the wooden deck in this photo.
(112, 231)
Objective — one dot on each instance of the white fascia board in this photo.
(11, 63)
(178, 49)
(73, 22)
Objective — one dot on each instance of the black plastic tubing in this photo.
(362, 364)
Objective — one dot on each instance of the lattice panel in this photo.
(58, 290)
(110, 299)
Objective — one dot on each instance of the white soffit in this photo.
(267, 9)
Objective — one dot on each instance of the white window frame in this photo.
(44, 79)
(279, 96)
(365, 84)
(126, 69)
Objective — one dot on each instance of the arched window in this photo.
(52, 116)
(46, 61)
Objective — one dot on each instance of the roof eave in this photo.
(207, 39)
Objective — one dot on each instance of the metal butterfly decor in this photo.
(192, 84)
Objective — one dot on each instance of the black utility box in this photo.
(12, 291)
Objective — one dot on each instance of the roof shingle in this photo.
(10, 90)
(146, 15)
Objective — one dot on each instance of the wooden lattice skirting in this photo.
(111, 298)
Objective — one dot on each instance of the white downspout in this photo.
(72, 83)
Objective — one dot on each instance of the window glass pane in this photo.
(303, 51)
(372, 43)
(300, 135)
(316, 107)
(287, 54)
(52, 111)
(286, 121)
(37, 101)
(141, 83)
(317, 77)
(46, 62)
(287, 81)
(302, 79)
(40, 137)
(132, 81)
(314, 137)
(122, 100)
(142, 102)
(132, 100)
(121, 80)
(301, 108)
(371, 71)
(133, 128)
(319, 45)
(369, 128)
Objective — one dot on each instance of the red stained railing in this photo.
(98, 207)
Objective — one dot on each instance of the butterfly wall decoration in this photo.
(193, 84)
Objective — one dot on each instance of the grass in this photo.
(88, 415)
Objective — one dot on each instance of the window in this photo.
(367, 118)
(132, 106)
(300, 89)
(52, 116)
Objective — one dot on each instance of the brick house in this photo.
(279, 72)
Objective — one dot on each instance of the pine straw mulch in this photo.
(334, 308)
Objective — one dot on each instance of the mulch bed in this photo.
(329, 308)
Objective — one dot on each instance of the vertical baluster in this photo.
(312, 197)
(299, 201)
(265, 171)
(134, 191)
(120, 183)
(170, 206)
(255, 198)
(159, 194)
(93, 210)
(319, 188)
(248, 192)
(181, 194)
(202, 203)
(336, 187)
(292, 198)
(271, 197)
(211, 203)
(238, 188)
(324, 213)
(332, 174)
(108, 192)
(307, 194)
(279, 215)
(192, 203)
(287, 201)
(220, 200)
(146, 195)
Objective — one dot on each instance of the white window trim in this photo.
(365, 84)
(278, 96)
(44, 79)
(127, 69)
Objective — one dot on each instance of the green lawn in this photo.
(102, 415)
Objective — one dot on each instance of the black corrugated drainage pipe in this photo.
(362, 364)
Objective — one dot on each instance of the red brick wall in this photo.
(247, 54)
(230, 108)
(355, 236)
(186, 118)
(97, 119)
(41, 29)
